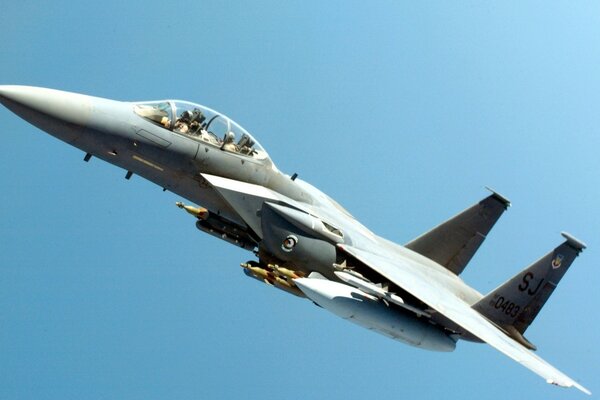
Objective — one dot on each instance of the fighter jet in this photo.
(301, 240)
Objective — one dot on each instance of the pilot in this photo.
(181, 125)
(166, 122)
(228, 144)
(184, 122)
(194, 127)
(197, 116)
(245, 145)
(196, 119)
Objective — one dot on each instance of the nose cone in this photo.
(62, 114)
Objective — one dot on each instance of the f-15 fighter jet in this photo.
(302, 241)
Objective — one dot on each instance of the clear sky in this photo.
(401, 111)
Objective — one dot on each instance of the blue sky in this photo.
(402, 111)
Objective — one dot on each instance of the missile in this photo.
(344, 268)
(198, 212)
(374, 290)
(368, 287)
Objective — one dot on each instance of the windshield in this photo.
(202, 124)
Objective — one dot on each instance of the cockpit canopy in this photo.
(202, 124)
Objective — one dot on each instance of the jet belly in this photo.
(367, 311)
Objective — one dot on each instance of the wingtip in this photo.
(584, 390)
(499, 197)
(573, 241)
(570, 384)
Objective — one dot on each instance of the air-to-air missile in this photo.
(377, 291)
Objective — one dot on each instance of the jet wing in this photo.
(454, 242)
(427, 285)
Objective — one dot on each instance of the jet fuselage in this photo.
(305, 242)
(132, 136)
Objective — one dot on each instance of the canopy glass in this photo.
(201, 123)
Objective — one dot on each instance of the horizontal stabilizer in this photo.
(454, 242)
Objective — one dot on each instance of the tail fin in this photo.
(515, 304)
(454, 242)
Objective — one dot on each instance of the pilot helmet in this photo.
(229, 137)
(186, 115)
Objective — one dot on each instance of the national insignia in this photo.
(557, 261)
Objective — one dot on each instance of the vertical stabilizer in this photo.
(515, 304)
(453, 243)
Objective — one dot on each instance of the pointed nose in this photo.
(62, 114)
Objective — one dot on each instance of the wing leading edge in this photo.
(453, 243)
(418, 281)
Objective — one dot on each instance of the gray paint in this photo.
(253, 205)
